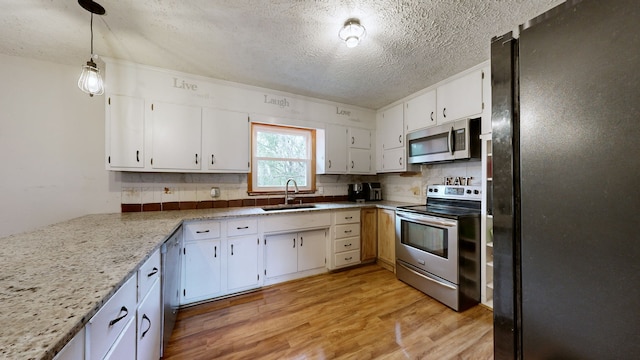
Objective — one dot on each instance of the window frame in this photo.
(253, 189)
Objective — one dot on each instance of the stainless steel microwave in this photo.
(457, 140)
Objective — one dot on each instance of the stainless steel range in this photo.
(438, 245)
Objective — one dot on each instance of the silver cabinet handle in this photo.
(348, 217)
(347, 231)
(349, 258)
(347, 245)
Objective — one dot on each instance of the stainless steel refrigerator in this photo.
(566, 184)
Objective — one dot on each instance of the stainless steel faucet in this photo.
(286, 190)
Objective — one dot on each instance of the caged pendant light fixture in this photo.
(90, 80)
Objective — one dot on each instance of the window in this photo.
(279, 153)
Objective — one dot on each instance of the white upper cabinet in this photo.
(125, 132)
(359, 161)
(391, 126)
(421, 112)
(175, 136)
(332, 150)
(225, 140)
(359, 138)
(460, 98)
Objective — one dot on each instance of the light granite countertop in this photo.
(54, 279)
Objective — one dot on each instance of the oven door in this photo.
(428, 243)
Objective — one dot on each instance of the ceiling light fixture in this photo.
(90, 80)
(352, 32)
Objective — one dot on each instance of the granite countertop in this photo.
(54, 279)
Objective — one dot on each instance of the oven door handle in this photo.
(426, 220)
(427, 277)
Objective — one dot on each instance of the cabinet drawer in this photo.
(148, 273)
(347, 258)
(242, 227)
(345, 231)
(202, 230)
(105, 326)
(347, 217)
(347, 244)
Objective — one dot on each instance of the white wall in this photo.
(51, 147)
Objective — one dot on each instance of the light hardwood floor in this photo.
(362, 313)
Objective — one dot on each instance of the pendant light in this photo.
(90, 80)
(352, 32)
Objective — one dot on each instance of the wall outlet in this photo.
(215, 192)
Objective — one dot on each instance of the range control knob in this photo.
(435, 190)
(430, 190)
(468, 191)
(476, 192)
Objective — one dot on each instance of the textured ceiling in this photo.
(290, 45)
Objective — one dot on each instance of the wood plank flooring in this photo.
(361, 313)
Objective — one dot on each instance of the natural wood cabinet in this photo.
(368, 235)
(387, 239)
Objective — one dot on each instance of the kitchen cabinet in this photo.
(124, 348)
(368, 235)
(125, 132)
(346, 238)
(359, 161)
(202, 277)
(387, 239)
(460, 98)
(359, 138)
(391, 140)
(226, 141)
(74, 350)
(294, 252)
(242, 263)
(421, 112)
(176, 137)
(202, 262)
(106, 326)
(332, 150)
(391, 128)
(149, 325)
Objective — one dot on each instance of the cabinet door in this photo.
(125, 132)
(242, 262)
(359, 161)
(359, 138)
(74, 350)
(392, 128)
(150, 325)
(225, 140)
(202, 270)
(312, 249)
(460, 98)
(393, 160)
(420, 112)
(125, 346)
(281, 254)
(387, 238)
(176, 136)
(368, 235)
(335, 149)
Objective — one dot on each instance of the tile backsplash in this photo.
(177, 191)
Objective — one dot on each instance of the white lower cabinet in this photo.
(74, 350)
(202, 270)
(125, 346)
(242, 263)
(149, 328)
(294, 252)
(108, 323)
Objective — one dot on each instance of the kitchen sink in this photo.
(288, 207)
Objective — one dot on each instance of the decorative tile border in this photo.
(216, 204)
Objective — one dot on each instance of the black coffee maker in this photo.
(365, 192)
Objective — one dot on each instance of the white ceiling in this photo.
(287, 45)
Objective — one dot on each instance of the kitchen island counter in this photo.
(54, 279)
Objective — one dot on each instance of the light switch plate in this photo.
(215, 192)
